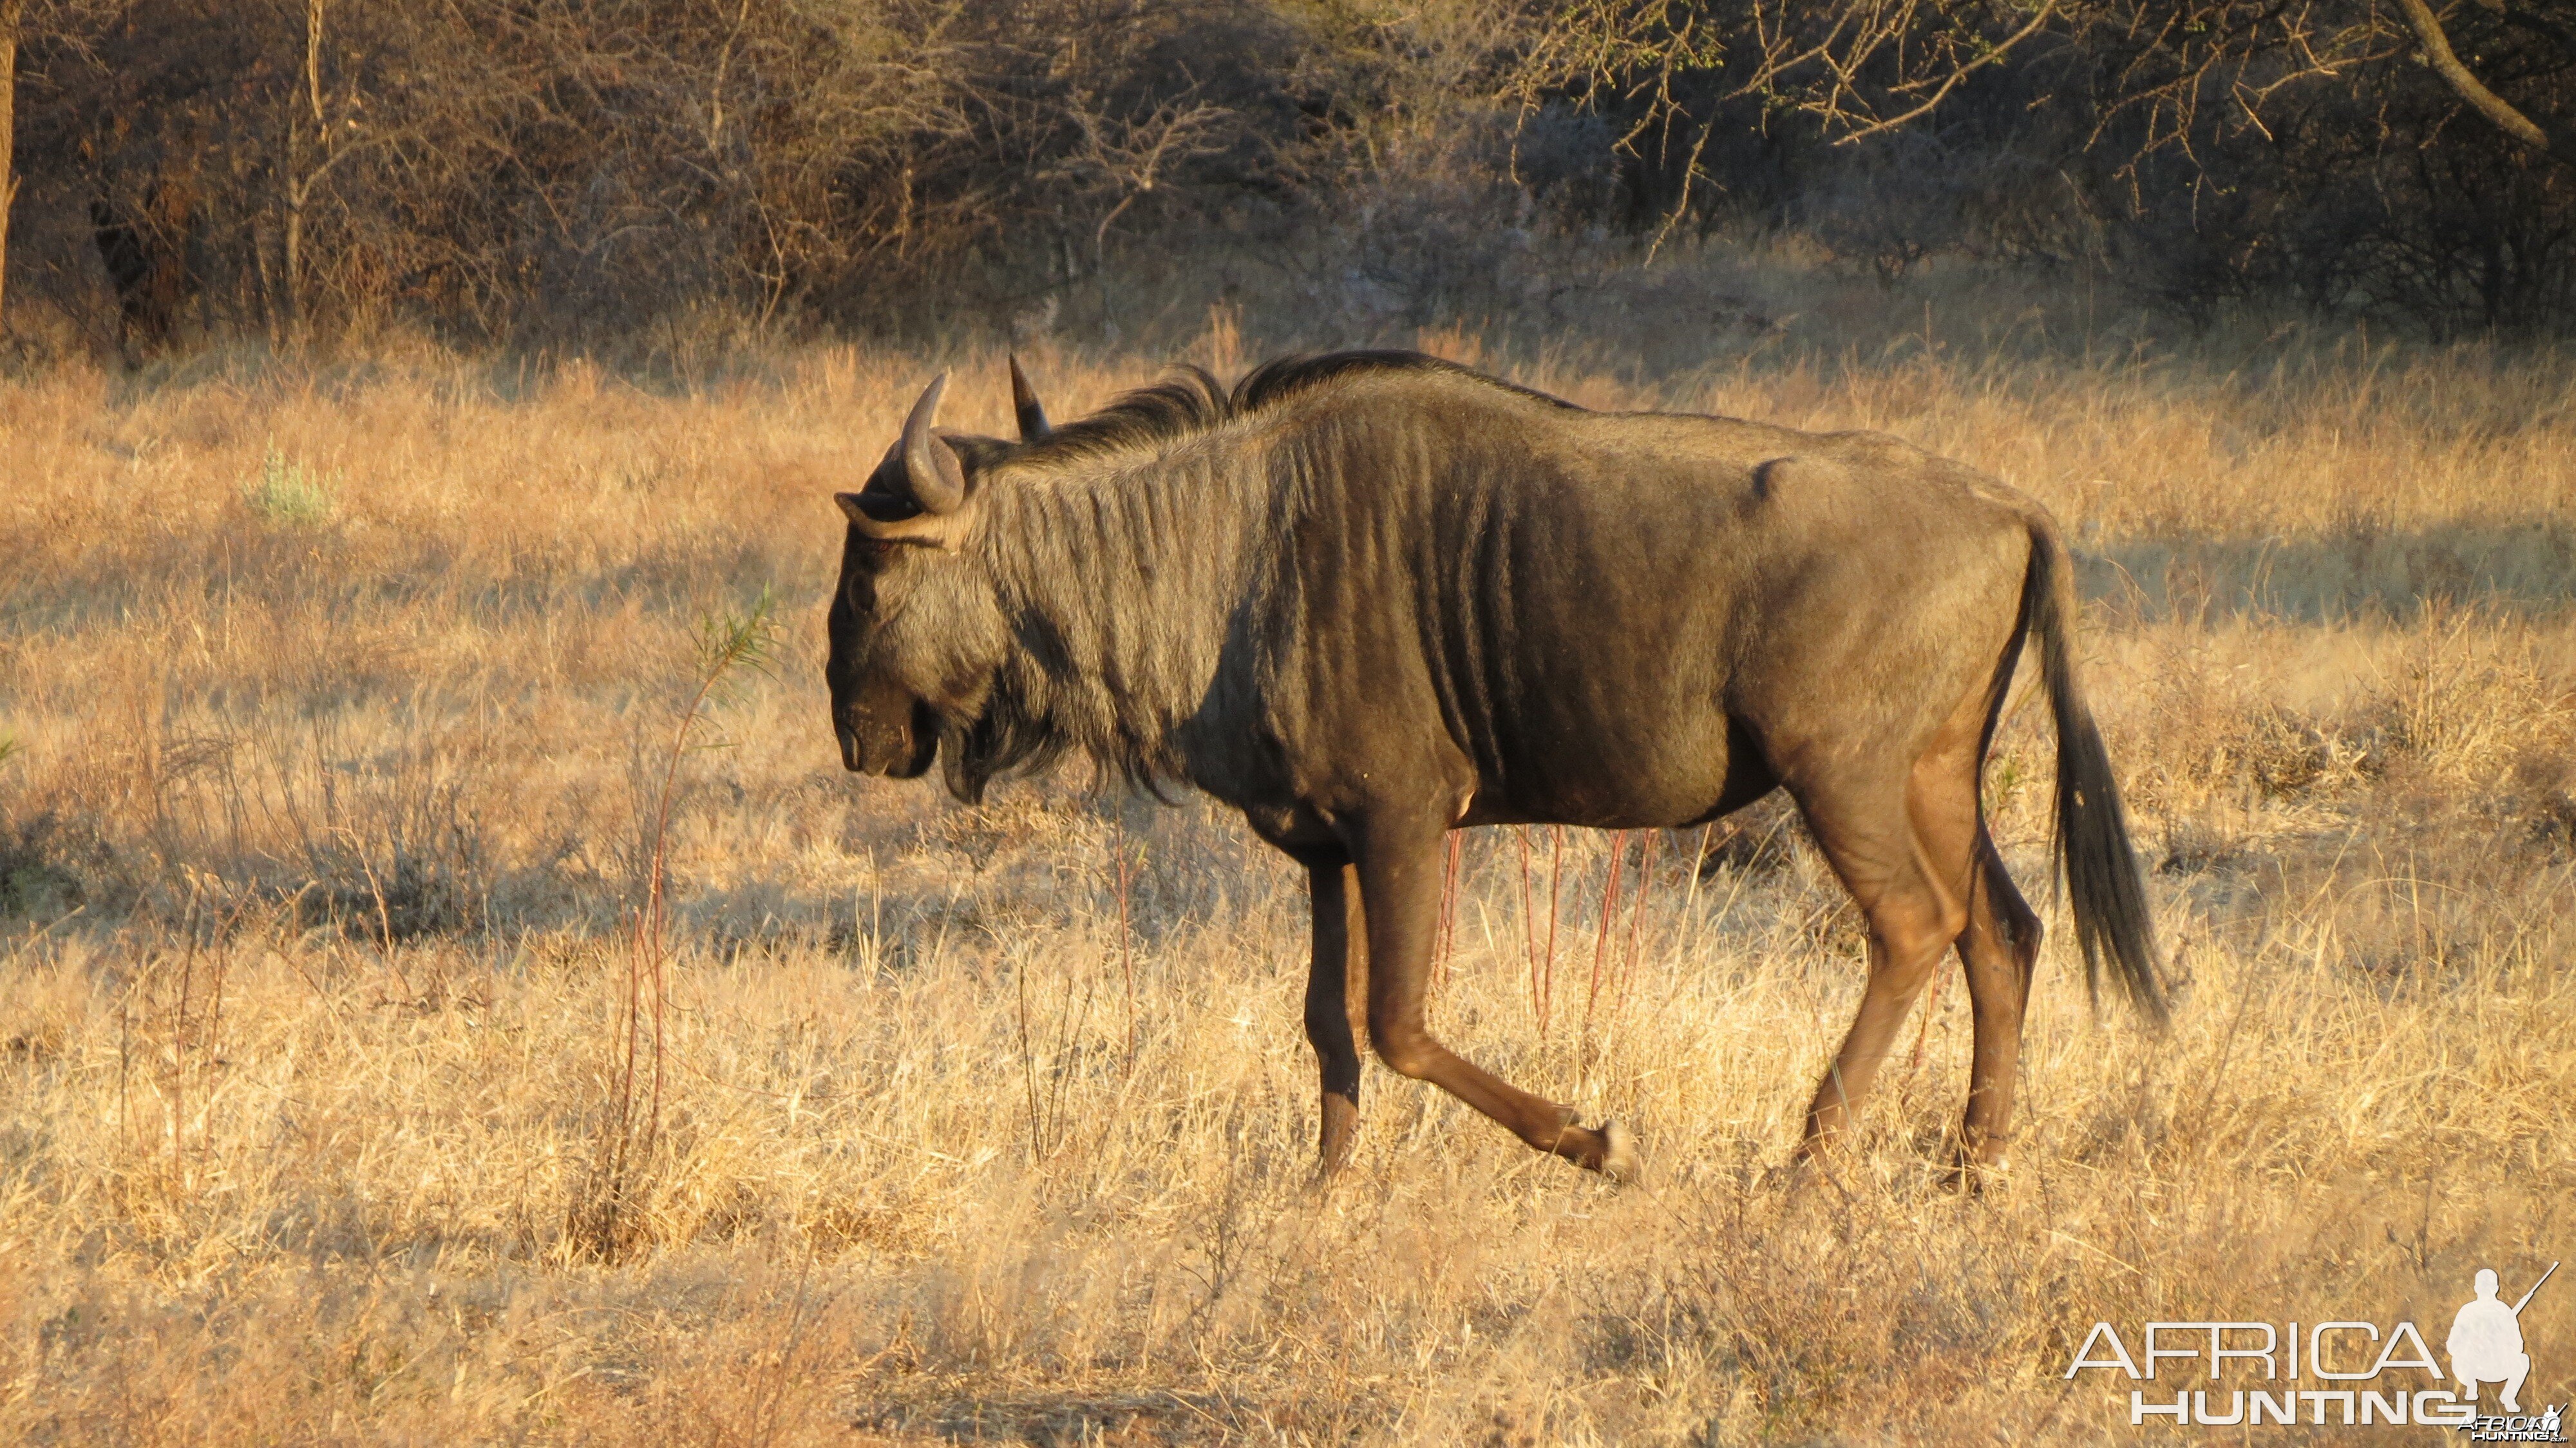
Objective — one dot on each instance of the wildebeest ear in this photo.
(1024, 401)
(890, 519)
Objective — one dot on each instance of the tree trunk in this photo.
(9, 13)
(291, 302)
(300, 182)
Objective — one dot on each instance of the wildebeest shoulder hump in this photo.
(1863, 446)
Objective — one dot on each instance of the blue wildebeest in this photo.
(1372, 597)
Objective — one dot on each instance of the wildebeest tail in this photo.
(2103, 885)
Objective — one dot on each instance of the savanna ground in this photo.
(341, 699)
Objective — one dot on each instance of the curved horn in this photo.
(938, 482)
(1024, 401)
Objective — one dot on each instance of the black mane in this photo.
(1192, 401)
(1278, 380)
(1184, 405)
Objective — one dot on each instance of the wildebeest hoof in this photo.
(1619, 1159)
(1969, 1176)
(1810, 1174)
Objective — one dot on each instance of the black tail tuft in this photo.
(2103, 884)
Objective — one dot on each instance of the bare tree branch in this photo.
(1957, 74)
(2557, 142)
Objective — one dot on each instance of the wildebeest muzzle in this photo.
(893, 736)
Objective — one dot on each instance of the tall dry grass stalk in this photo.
(600, 1219)
(338, 970)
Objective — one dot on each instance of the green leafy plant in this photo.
(289, 493)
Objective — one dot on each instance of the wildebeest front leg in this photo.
(1336, 1000)
(1399, 877)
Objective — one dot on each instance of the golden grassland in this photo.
(339, 701)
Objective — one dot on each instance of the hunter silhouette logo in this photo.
(2363, 1377)
(2486, 1347)
(2486, 1341)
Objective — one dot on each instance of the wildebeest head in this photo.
(916, 634)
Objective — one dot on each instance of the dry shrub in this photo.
(2467, 702)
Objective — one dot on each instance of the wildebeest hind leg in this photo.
(1999, 940)
(1399, 876)
(1914, 914)
(2001, 948)
(1336, 1000)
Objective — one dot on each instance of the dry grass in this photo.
(338, 696)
